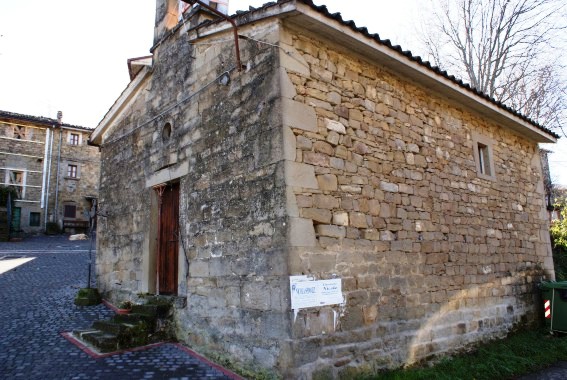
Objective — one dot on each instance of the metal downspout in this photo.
(59, 117)
(44, 171)
(48, 188)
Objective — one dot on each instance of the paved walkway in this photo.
(558, 371)
(36, 306)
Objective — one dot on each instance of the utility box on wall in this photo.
(555, 305)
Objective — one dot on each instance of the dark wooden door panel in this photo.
(168, 240)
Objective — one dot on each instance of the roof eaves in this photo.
(41, 120)
(244, 17)
(322, 9)
(119, 104)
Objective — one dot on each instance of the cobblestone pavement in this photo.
(36, 306)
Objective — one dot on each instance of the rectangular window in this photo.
(17, 179)
(34, 219)
(70, 211)
(484, 159)
(483, 156)
(74, 138)
(72, 171)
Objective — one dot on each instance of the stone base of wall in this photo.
(469, 318)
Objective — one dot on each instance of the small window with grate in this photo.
(70, 211)
(35, 219)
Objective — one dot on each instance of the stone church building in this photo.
(321, 201)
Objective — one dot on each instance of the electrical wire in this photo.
(196, 92)
(260, 42)
(270, 44)
(170, 108)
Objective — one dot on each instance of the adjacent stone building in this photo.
(54, 171)
(325, 163)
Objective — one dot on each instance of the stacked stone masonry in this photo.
(314, 161)
(432, 257)
(226, 142)
(30, 166)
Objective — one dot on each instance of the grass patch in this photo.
(520, 353)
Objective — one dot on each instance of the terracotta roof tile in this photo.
(38, 119)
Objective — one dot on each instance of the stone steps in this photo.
(133, 318)
(112, 327)
(143, 325)
(104, 342)
(158, 310)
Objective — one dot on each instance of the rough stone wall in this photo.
(311, 161)
(26, 155)
(125, 203)
(234, 206)
(432, 257)
(74, 190)
(225, 149)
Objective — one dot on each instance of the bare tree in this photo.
(508, 49)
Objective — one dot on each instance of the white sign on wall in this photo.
(306, 292)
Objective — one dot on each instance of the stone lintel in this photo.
(167, 174)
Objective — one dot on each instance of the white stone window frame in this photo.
(78, 173)
(70, 138)
(484, 156)
(20, 187)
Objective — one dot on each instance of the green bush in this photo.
(558, 232)
(4, 191)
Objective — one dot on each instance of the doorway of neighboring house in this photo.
(16, 219)
(168, 239)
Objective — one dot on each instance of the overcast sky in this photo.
(70, 55)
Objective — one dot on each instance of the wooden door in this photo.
(168, 241)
